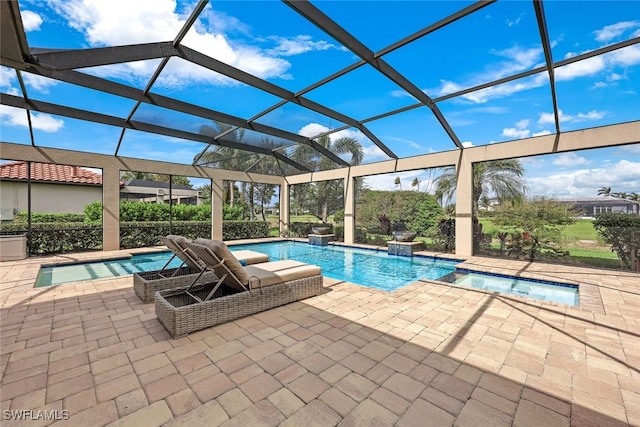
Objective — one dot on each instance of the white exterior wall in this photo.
(48, 198)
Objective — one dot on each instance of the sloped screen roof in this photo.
(295, 86)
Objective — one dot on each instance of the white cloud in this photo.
(373, 153)
(7, 80)
(542, 133)
(520, 131)
(548, 118)
(312, 129)
(625, 57)
(569, 159)
(38, 83)
(623, 176)
(586, 67)
(31, 21)
(519, 59)
(467, 144)
(12, 116)
(144, 21)
(516, 133)
(633, 148)
(300, 44)
(614, 31)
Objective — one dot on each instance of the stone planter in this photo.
(321, 230)
(13, 248)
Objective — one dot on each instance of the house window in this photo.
(602, 209)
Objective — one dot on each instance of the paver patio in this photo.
(427, 354)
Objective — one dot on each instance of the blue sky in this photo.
(270, 40)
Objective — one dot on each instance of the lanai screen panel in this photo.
(512, 110)
(476, 72)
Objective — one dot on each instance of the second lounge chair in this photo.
(240, 290)
(191, 271)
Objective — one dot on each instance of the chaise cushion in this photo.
(274, 272)
(224, 254)
(247, 257)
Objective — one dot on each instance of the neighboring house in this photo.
(54, 188)
(591, 207)
(67, 189)
(140, 190)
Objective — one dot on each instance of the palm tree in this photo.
(604, 191)
(225, 157)
(501, 177)
(398, 183)
(415, 183)
(328, 194)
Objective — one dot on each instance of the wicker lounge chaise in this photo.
(192, 270)
(240, 290)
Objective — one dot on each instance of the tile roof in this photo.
(50, 172)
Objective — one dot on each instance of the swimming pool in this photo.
(360, 266)
(530, 288)
(366, 267)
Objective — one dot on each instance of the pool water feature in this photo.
(531, 288)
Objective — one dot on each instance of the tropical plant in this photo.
(383, 211)
(535, 224)
(324, 198)
(503, 178)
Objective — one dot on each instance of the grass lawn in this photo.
(592, 250)
(582, 229)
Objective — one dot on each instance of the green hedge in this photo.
(53, 237)
(49, 217)
(234, 230)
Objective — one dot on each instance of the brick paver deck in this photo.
(427, 354)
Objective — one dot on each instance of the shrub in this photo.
(622, 232)
(144, 212)
(418, 211)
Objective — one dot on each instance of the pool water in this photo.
(364, 267)
(530, 288)
(56, 275)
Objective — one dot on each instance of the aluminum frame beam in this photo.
(105, 119)
(326, 24)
